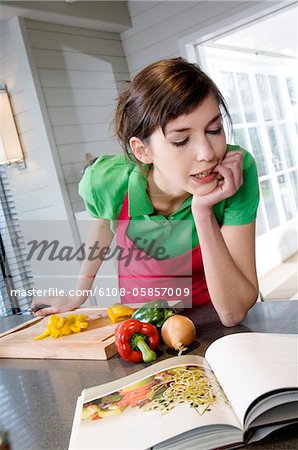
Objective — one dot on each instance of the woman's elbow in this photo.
(234, 317)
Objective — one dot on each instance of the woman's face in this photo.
(185, 155)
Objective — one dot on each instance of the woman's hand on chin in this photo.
(230, 179)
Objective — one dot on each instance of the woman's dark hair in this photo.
(160, 93)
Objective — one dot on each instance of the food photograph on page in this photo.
(192, 386)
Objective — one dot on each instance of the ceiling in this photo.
(99, 15)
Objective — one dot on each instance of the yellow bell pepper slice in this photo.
(43, 335)
(119, 312)
(64, 326)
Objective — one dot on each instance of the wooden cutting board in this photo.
(97, 342)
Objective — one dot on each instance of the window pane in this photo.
(261, 223)
(246, 97)
(276, 157)
(228, 88)
(269, 202)
(285, 193)
(257, 151)
(239, 137)
(292, 91)
(287, 148)
(293, 178)
(274, 84)
(264, 96)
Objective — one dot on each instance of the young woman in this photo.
(180, 185)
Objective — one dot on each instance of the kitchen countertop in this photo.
(38, 397)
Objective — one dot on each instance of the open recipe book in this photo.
(244, 389)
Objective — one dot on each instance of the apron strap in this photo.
(124, 209)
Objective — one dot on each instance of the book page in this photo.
(77, 418)
(249, 365)
(152, 405)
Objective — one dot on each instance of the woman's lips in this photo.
(202, 178)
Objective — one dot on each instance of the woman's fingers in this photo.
(53, 305)
(42, 306)
(46, 311)
(231, 169)
(227, 184)
(236, 165)
(230, 179)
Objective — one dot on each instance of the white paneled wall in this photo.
(63, 82)
(157, 26)
(81, 73)
(36, 189)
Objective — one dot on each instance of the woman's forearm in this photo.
(231, 292)
(99, 238)
(85, 280)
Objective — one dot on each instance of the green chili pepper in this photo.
(155, 312)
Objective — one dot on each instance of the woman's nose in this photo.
(205, 151)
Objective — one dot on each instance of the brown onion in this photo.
(178, 332)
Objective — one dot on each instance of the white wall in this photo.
(157, 27)
(36, 189)
(80, 73)
(63, 82)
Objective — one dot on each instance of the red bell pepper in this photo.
(135, 340)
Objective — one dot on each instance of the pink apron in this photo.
(141, 275)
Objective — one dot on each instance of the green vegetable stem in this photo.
(138, 342)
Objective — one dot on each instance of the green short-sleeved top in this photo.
(106, 182)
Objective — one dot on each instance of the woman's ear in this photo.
(140, 150)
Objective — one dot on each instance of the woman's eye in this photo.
(181, 143)
(217, 131)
